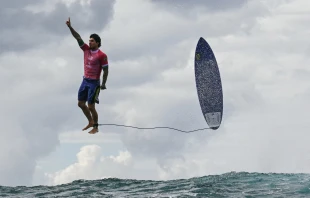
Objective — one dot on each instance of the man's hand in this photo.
(103, 86)
(68, 22)
(74, 33)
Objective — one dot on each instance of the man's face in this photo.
(92, 44)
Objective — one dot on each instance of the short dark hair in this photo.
(97, 38)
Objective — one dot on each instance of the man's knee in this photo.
(91, 107)
(82, 104)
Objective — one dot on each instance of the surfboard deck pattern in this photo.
(208, 84)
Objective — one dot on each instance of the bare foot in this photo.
(93, 131)
(88, 126)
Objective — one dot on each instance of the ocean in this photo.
(233, 184)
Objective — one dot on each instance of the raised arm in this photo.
(74, 33)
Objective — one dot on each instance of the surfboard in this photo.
(208, 84)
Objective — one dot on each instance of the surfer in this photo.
(94, 61)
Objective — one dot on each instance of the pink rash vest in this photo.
(94, 62)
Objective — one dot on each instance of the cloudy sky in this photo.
(262, 48)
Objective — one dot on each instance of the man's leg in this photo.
(82, 98)
(93, 95)
(94, 114)
(87, 113)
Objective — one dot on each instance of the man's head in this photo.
(94, 41)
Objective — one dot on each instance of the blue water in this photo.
(232, 184)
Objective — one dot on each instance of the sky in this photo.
(262, 49)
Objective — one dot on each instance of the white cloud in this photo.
(123, 158)
(91, 165)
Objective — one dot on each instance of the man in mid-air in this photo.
(94, 61)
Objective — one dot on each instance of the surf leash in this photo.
(152, 128)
